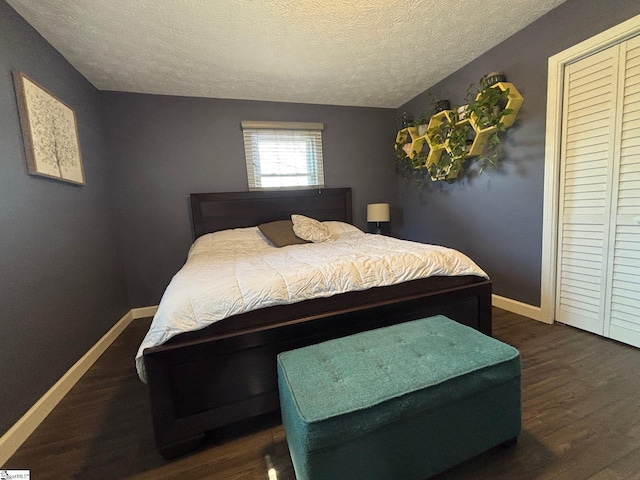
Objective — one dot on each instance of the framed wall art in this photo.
(50, 133)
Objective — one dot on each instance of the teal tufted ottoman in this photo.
(402, 402)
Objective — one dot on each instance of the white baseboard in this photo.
(520, 308)
(23, 428)
(144, 312)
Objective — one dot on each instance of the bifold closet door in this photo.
(598, 273)
(586, 170)
(623, 293)
(587, 149)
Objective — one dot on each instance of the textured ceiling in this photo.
(378, 53)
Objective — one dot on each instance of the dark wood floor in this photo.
(581, 419)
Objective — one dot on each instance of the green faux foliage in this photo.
(487, 106)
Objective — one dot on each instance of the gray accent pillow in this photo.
(280, 233)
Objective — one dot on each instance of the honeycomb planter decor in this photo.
(443, 143)
(409, 147)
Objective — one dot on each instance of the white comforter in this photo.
(234, 271)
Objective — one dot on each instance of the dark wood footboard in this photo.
(201, 384)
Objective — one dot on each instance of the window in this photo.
(283, 154)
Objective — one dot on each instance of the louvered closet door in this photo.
(589, 114)
(624, 259)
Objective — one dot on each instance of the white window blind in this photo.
(283, 154)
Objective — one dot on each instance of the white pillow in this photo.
(336, 228)
(310, 229)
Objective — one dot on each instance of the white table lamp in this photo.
(378, 212)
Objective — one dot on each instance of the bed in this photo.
(225, 372)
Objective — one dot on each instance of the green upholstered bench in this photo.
(401, 402)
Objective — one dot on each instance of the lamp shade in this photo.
(378, 212)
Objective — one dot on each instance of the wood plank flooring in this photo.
(581, 420)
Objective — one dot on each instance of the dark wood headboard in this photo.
(212, 212)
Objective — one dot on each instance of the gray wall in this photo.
(496, 217)
(164, 148)
(61, 285)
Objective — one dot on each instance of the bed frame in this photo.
(226, 373)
